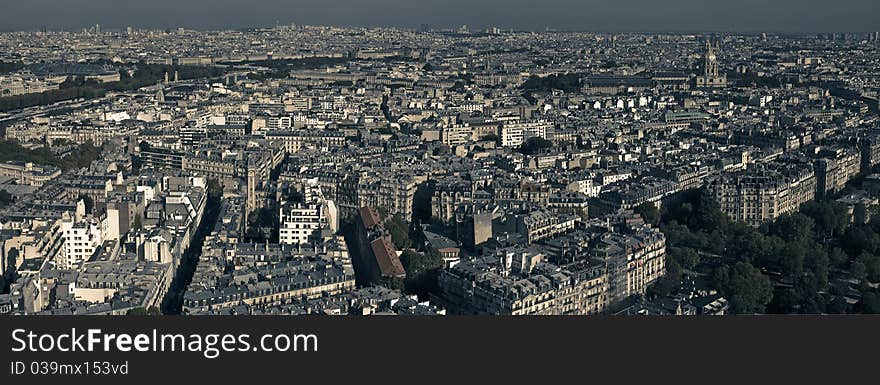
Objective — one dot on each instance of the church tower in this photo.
(711, 77)
(710, 59)
(160, 94)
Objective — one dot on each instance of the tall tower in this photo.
(711, 76)
(710, 60)
(160, 94)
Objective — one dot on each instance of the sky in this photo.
(777, 16)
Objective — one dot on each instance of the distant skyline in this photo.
(747, 16)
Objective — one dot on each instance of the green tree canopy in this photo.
(5, 198)
(422, 270)
(399, 231)
(747, 288)
(649, 213)
(139, 311)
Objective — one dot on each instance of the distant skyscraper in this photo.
(128, 31)
(97, 28)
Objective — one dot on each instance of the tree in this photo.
(831, 218)
(791, 260)
(686, 257)
(856, 240)
(649, 213)
(837, 305)
(422, 270)
(807, 248)
(860, 213)
(746, 244)
(794, 227)
(5, 198)
(785, 301)
(858, 270)
(6, 67)
(262, 224)
(667, 284)
(837, 257)
(708, 214)
(871, 265)
(399, 231)
(870, 303)
(396, 283)
(139, 311)
(817, 263)
(747, 288)
(81, 158)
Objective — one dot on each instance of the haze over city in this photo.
(783, 16)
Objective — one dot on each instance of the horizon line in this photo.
(445, 28)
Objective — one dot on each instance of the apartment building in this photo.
(760, 194)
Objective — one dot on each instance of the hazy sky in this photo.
(590, 15)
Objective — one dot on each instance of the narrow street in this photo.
(173, 302)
